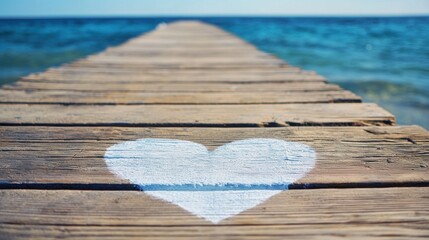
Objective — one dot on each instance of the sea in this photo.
(383, 59)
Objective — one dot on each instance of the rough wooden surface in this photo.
(345, 155)
(196, 115)
(183, 77)
(255, 88)
(385, 213)
(73, 97)
(109, 74)
(270, 92)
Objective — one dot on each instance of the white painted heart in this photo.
(211, 184)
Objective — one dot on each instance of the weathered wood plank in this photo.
(249, 58)
(167, 69)
(155, 38)
(179, 63)
(240, 50)
(73, 97)
(113, 74)
(283, 69)
(356, 231)
(121, 58)
(220, 48)
(66, 69)
(172, 87)
(393, 213)
(196, 115)
(346, 156)
(104, 75)
(175, 52)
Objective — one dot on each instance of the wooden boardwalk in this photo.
(193, 81)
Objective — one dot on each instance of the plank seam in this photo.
(176, 103)
(212, 125)
(133, 187)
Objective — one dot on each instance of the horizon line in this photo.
(215, 16)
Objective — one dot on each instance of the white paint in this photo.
(211, 184)
(215, 205)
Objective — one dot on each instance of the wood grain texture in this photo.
(135, 72)
(104, 75)
(207, 60)
(386, 213)
(73, 97)
(345, 155)
(172, 87)
(196, 115)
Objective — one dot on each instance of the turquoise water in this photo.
(384, 60)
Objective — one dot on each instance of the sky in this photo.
(46, 8)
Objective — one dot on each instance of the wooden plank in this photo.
(219, 48)
(211, 44)
(49, 85)
(133, 51)
(346, 156)
(73, 97)
(283, 71)
(203, 61)
(196, 115)
(185, 37)
(127, 46)
(157, 39)
(119, 76)
(103, 58)
(206, 61)
(392, 213)
(178, 64)
(112, 74)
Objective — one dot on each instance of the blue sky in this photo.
(25, 8)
